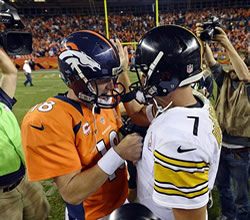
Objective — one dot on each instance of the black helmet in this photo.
(133, 211)
(170, 56)
(85, 57)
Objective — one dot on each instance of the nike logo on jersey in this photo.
(36, 127)
(181, 150)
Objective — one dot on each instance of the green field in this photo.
(46, 84)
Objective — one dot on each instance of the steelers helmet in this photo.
(169, 57)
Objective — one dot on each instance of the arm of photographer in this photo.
(136, 111)
(238, 64)
(9, 77)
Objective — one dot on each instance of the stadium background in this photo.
(128, 20)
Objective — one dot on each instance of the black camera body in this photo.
(209, 28)
(13, 41)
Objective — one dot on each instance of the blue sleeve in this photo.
(4, 98)
(75, 211)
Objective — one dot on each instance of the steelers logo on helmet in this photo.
(169, 57)
(87, 57)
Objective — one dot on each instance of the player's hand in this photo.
(130, 147)
(222, 37)
(123, 53)
(204, 92)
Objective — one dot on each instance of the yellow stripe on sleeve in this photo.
(179, 193)
(179, 178)
(180, 163)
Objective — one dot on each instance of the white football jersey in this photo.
(179, 160)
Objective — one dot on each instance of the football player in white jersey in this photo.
(182, 145)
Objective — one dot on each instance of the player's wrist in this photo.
(110, 162)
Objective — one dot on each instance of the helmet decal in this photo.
(72, 57)
(154, 63)
(87, 57)
(190, 68)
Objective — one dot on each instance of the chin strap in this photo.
(160, 109)
(116, 116)
(95, 131)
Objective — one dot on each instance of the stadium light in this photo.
(39, 0)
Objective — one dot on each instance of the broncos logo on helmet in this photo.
(74, 57)
(85, 58)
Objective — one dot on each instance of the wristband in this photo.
(110, 162)
(129, 96)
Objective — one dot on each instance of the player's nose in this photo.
(110, 85)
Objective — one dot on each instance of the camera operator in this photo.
(19, 198)
(233, 111)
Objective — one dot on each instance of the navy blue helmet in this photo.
(169, 57)
(86, 57)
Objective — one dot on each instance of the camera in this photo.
(14, 42)
(209, 28)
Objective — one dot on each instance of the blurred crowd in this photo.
(49, 31)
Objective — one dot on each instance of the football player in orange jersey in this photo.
(73, 137)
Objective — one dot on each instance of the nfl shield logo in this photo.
(190, 68)
(102, 120)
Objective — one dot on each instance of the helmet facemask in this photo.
(89, 92)
(152, 82)
(144, 92)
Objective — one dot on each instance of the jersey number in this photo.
(45, 107)
(196, 124)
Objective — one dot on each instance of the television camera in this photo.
(14, 42)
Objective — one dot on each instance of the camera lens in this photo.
(207, 34)
(18, 43)
(14, 43)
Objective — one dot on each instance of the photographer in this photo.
(233, 110)
(19, 198)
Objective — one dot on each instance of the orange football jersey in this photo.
(58, 137)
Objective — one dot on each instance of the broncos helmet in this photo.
(86, 57)
(169, 56)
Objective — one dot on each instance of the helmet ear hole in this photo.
(165, 76)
